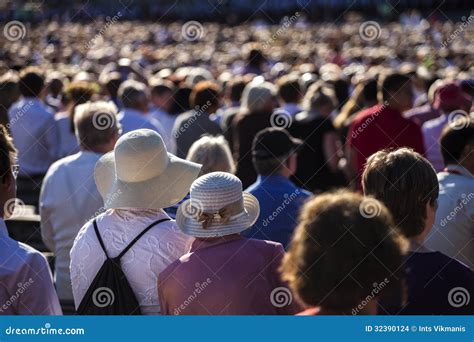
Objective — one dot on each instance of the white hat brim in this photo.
(161, 191)
(238, 223)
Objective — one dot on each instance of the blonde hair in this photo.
(213, 153)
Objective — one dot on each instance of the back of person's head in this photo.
(56, 82)
(391, 83)
(96, 124)
(132, 94)
(254, 56)
(205, 96)
(235, 87)
(336, 268)
(369, 92)
(181, 102)
(213, 153)
(79, 92)
(258, 97)
(319, 98)
(112, 82)
(405, 182)
(31, 82)
(289, 89)
(9, 89)
(274, 150)
(161, 87)
(457, 142)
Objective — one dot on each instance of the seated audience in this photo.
(26, 282)
(453, 229)
(70, 180)
(347, 268)
(191, 125)
(406, 183)
(227, 273)
(274, 154)
(135, 180)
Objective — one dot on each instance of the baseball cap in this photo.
(274, 142)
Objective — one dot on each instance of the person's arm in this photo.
(46, 212)
(38, 296)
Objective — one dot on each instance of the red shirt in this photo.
(378, 128)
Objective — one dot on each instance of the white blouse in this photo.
(142, 264)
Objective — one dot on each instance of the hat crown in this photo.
(215, 190)
(140, 155)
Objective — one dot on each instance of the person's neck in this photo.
(98, 149)
(416, 245)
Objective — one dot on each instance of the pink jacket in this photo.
(226, 276)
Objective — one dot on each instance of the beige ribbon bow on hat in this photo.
(223, 215)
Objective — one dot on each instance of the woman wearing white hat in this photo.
(224, 273)
(136, 180)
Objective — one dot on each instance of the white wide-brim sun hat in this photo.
(210, 196)
(140, 173)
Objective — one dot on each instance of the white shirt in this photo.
(69, 198)
(142, 264)
(131, 119)
(431, 133)
(35, 135)
(68, 143)
(453, 231)
(167, 122)
(26, 284)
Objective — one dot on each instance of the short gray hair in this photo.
(95, 123)
(213, 153)
(130, 93)
(256, 96)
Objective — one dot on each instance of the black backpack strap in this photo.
(130, 245)
(100, 238)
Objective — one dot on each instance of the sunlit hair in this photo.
(338, 253)
(213, 153)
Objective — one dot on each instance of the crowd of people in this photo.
(250, 170)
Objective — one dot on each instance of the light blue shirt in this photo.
(26, 284)
(68, 143)
(35, 135)
(132, 119)
(69, 198)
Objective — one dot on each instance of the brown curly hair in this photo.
(338, 253)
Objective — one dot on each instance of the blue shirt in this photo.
(280, 203)
(35, 135)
